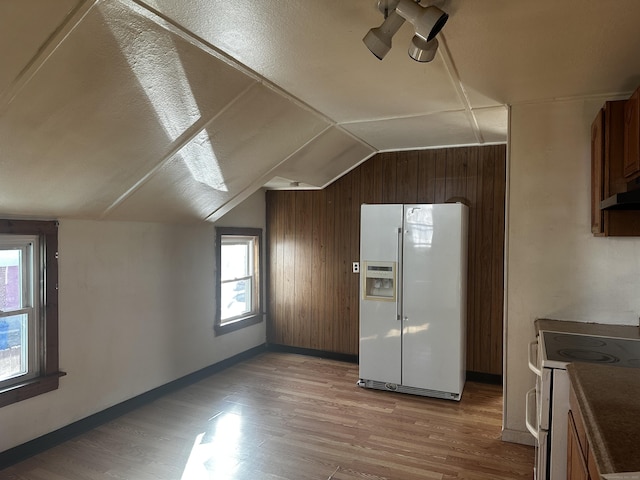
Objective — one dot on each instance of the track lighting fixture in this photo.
(427, 22)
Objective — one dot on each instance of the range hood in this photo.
(629, 200)
(622, 201)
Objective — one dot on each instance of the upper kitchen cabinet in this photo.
(614, 211)
(632, 135)
(597, 173)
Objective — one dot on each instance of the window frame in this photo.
(256, 314)
(30, 293)
(48, 376)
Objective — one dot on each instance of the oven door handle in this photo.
(533, 365)
(531, 413)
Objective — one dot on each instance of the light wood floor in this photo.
(284, 416)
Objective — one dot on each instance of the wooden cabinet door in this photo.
(632, 135)
(597, 174)
(576, 465)
(607, 173)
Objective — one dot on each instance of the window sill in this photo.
(31, 388)
(238, 324)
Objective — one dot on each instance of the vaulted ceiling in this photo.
(166, 110)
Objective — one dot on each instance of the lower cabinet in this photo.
(580, 461)
(576, 465)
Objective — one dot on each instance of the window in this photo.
(18, 310)
(28, 309)
(238, 278)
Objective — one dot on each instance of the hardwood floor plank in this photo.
(284, 417)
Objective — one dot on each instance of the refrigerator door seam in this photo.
(399, 311)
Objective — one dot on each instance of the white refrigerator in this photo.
(413, 269)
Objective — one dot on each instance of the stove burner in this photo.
(587, 356)
(579, 341)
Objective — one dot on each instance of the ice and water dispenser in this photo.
(379, 281)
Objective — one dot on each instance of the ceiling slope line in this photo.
(405, 117)
(437, 147)
(48, 48)
(268, 175)
(265, 177)
(462, 92)
(173, 26)
(260, 181)
(187, 136)
(576, 98)
(353, 167)
(357, 139)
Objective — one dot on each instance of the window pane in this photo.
(13, 346)
(235, 298)
(235, 261)
(10, 280)
(237, 278)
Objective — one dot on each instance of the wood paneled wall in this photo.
(313, 237)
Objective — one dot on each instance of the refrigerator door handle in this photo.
(399, 277)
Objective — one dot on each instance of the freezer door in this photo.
(380, 328)
(434, 296)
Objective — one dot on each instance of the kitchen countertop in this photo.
(623, 331)
(609, 402)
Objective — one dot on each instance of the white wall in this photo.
(555, 267)
(136, 307)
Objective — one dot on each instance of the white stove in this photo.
(548, 402)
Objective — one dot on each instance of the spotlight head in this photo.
(378, 40)
(427, 21)
(432, 21)
(422, 50)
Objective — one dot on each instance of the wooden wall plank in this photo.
(301, 320)
(472, 196)
(379, 179)
(484, 275)
(318, 270)
(497, 261)
(456, 174)
(342, 266)
(406, 178)
(289, 328)
(271, 294)
(328, 323)
(389, 177)
(329, 222)
(440, 181)
(426, 177)
(354, 256)
(367, 182)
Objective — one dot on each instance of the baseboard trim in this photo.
(516, 436)
(49, 440)
(343, 357)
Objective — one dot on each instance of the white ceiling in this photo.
(165, 110)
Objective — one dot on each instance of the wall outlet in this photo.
(355, 268)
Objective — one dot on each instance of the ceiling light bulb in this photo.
(427, 21)
(378, 40)
(422, 50)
